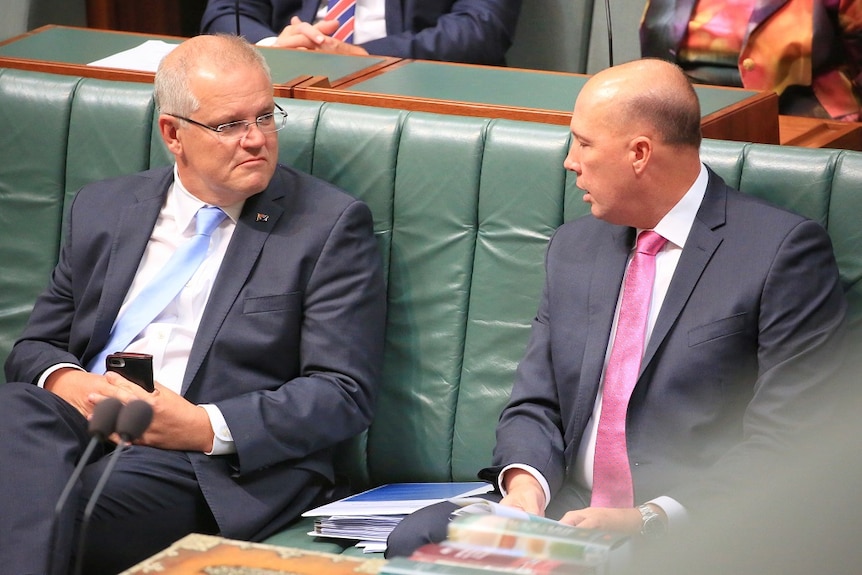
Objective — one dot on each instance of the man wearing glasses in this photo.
(265, 359)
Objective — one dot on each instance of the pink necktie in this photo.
(342, 10)
(612, 478)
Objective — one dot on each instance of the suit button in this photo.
(748, 64)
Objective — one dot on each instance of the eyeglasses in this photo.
(267, 124)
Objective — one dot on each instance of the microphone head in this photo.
(134, 419)
(104, 419)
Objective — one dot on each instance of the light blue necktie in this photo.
(164, 287)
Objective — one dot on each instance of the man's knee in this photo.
(26, 407)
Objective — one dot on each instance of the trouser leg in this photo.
(151, 499)
(41, 439)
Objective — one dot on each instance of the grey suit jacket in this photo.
(289, 346)
(739, 360)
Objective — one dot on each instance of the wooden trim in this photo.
(309, 91)
(754, 119)
(820, 133)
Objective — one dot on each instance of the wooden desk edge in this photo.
(312, 90)
(820, 133)
(281, 89)
(754, 119)
(84, 70)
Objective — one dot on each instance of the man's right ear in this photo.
(168, 129)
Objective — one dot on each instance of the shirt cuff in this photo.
(45, 374)
(267, 42)
(223, 443)
(536, 475)
(677, 516)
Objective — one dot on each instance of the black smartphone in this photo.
(136, 367)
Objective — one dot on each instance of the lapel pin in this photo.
(262, 217)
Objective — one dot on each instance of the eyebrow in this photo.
(267, 110)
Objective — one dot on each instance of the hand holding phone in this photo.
(136, 367)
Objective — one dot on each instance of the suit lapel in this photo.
(134, 227)
(258, 218)
(605, 285)
(699, 248)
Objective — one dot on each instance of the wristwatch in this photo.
(652, 524)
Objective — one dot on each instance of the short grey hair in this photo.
(221, 51)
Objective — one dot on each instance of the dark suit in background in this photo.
(468, 31)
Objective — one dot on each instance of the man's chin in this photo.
(256, 180)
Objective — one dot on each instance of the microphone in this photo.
(101, 425)
(610, 33)
(132, 422)
(236, 14)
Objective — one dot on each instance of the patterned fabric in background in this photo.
(810, 50)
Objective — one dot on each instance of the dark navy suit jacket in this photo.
(739, 360)
(469, 31)
(289, 346)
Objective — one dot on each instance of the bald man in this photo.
(741, 325)
(248, 361)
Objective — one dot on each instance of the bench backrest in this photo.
(463, 209)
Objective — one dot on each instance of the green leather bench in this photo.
(463, 209)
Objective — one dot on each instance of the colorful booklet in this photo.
(498, 561)
(541, 540)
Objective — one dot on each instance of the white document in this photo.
(479, 506)
(143, 58)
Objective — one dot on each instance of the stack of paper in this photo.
(370, 516)
(143, 58)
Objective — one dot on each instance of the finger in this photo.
(94, 398)
(120, 382)
(298, 34)
(297, 42)
(510, 502)
(573, 518)
(327, 27)
(313, 34)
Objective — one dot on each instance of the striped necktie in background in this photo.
(342, 10)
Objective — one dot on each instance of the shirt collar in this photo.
(185, 205)
(676, 224)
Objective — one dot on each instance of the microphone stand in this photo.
(131, 424)
(102, 424)
(610, 33)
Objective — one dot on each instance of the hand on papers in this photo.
(626, 520)
(304, 36)
(479, 506)
(523, 491)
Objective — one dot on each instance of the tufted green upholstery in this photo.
(463, 209)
